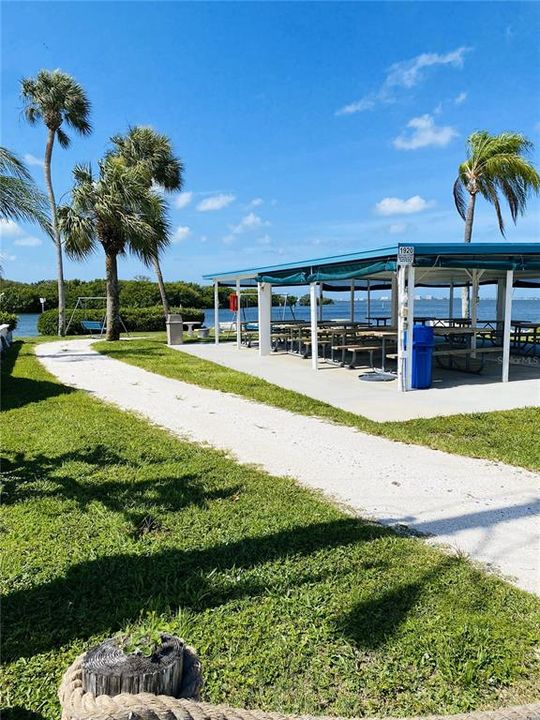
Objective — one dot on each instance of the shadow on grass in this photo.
(19, 713)
(101, 595)
(20, 391)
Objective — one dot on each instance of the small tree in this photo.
(118, 210)
(56, 98)
(496, 165)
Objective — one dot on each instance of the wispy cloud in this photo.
(264, 240)
(10, 229)
(460, 99)
(33, 160)
(397, 206)
(183, 199)
(248, 222)
(216, 202)
(424, 133)
(28, 241)
(398, 228)
(181, 233)
(404, 75)
(256, 202)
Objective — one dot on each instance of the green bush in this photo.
(9, 318)
(135, 319)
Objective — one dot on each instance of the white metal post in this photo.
(451, 301)
(410, 324)
(314, 326)
(394, 301)
(401, 309)
(352, 300)
(501, 291)
(321, 299)
(507, 324)
(265, 318)
(216, 312)
(238, 318)
(368, 300)
(474, 309)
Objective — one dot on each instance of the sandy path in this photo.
(488, 510)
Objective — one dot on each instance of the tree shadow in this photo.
(20, 713)
(100, 595)
(17, 391)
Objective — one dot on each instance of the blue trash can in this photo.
(422, 356)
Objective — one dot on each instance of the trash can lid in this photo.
(174, 318)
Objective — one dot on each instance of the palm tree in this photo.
(118, 210)
(56, 98)
(152, 149)
(496, 165)
(19, 197)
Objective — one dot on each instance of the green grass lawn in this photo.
(292, 604)
(508, 436)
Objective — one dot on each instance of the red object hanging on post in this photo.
(233, 302)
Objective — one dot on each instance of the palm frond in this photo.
(11, 164)
(459, 197)
(77, 231)
(63, 139)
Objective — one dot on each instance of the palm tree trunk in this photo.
(56, 234)
(161, 285)
(113, 297)
(469, 219)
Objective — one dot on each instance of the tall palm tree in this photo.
(116, 209)
(57, 99)
(19, 197)
(496, 165)
(153, 149)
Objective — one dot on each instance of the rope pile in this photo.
(78, 705)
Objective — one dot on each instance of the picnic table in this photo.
(526, 336)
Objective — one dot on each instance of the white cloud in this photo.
(424, 134)
(158, 189)
(28, 241)
(248, 222)
(459, 99)
(228, 239)
(264, 240)
(397, 206)
(204, 238)
(216, 202)
(6, 257)
(33, 160)
(397, 228)
(9, 228)
(183, 199)
(404, 75)
(181, 233)
(256, 202)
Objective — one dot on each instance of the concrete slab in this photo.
(452, 392)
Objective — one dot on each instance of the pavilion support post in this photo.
(499, 316)
(216, 312)
(410, 325)
(451, 301)
(368, 300)
(314, 326)
(265, 318)
(238, 317)
(321, 302)
(474, 309)
(352, 300)
(401, 299)
(507, 324)
(394, 301)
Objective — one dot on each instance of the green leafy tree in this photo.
(19, 197)
(57, 100)
(118, 210)
(154, 150)
(496, 167)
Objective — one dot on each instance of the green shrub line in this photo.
(293, 604)
(135, 319)
(10, 318)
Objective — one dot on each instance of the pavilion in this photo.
(400, 269)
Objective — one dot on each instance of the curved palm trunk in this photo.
(469, 219)
(161, 285)
(56, 234)
(113, 297)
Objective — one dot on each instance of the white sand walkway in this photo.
(487, 510)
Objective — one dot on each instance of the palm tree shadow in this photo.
(20, 713)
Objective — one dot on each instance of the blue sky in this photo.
(306, 129)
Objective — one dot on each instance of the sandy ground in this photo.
(488, 510)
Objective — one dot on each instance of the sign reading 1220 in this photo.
(405, 255)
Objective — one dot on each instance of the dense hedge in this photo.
(136, 319)
(9, 318)
(24, 297)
